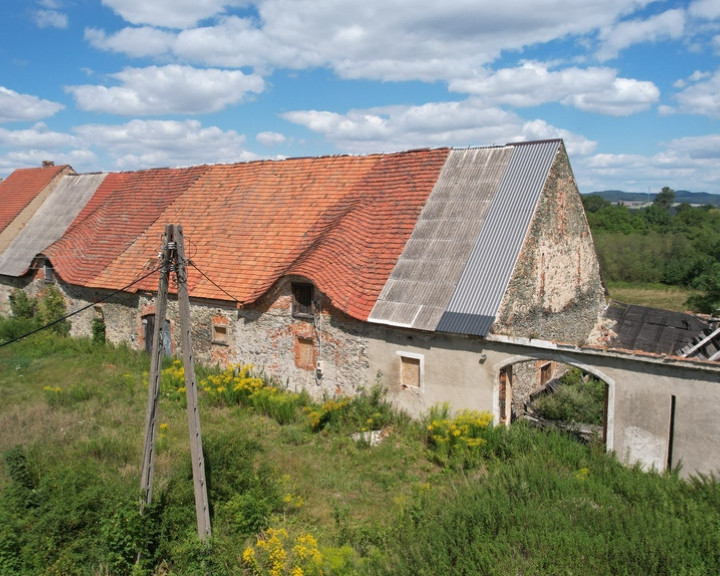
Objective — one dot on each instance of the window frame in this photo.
(421, 370)
(299, 309)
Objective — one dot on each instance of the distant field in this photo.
(655, 295)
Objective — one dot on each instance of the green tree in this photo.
(665, 198)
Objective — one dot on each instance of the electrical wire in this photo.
(191, 263)
(49, 325)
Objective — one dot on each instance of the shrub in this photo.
(579, 400)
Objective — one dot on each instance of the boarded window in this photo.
(409, 372)
(302, 300)
(304, 353)
(546, 373)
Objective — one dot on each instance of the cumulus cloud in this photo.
(23, 107)
(140, 143)
(374, 39)
(270, 139)
(50, 19)
(669, 24)
(698, 95)
(168, 90)
(533, 83)
(708, 9)
(169, 13)
(689, 163)
(463, 123)
(134, 42)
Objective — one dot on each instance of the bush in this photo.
(579, 400)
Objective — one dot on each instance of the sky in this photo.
(631, 86)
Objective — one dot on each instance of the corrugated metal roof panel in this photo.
(478, 295)
(426, 274)
(49, 222)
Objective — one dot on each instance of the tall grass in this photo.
(300, 492)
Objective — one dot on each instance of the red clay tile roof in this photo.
(341, 222)
(123, 207)
(21, 187)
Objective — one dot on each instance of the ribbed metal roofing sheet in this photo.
(426, 274)
(50, 221)
(475, 302)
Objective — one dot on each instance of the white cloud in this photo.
(38, 136)
(134, 42)
(708, 9)
(23, 107)
(699, 95)
(50, 19)
(270, 139)
(168, 90)
(463, 123)
(143, 144)
(374, 39)
(684, 163)
(169, 13)
(669, 24)
(591, 89)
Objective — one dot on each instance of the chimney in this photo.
(47, 163)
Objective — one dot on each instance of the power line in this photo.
(233, 298)
(46, 326)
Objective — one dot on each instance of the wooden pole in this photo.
(202, 507)
(151, 416)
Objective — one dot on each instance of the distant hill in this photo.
(696, 198)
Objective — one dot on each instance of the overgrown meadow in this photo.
(301, 488)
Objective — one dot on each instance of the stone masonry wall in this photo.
(264, 334)
(556, 291)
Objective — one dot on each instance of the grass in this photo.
(285, 497)
(653, 295)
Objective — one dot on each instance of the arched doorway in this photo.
(556, 391)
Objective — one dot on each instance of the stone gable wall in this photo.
(556, 291)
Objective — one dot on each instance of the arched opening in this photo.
(556, 392)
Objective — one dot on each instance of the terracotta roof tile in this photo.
(121, 210)
(22, 186)
(342, 222)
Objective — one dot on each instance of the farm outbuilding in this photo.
(430, 272)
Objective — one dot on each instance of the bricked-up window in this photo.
(411, 370)
(219, 334)
(304, 353)
(302, 300)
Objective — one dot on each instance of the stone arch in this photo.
(500, 371)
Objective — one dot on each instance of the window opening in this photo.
(302, 300)
(219, 334)
(49, 273)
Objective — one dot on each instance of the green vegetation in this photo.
(579, 400)
(660, 244)
(292, 492)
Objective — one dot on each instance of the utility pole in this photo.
(202, 507)
(173, 258)
(151, 416)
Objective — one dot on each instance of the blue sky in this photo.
(632, 86)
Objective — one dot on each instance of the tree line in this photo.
(664, 242)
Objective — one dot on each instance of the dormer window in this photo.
(48, 272)
(303, 300)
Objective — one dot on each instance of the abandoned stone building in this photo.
(430, 272)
